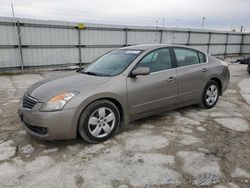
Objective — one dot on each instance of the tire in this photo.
(209, 99)
(99, 121)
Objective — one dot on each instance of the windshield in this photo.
(113, 63)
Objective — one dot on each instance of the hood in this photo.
(73, 81)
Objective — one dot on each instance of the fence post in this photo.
(20, 44)
(225, 53)
(80, 27)
(209, 42)
(126, 37)
(174, 37)
(241, 44)
(188, 39)
(161, 39)
(79, 48)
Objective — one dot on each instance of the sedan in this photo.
(119, 87)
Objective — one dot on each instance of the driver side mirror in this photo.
(80, 69)
(140, 71)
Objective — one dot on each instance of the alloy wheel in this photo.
(101, 122)
(211, 95)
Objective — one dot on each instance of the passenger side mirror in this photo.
(140, 71)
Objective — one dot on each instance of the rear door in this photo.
(191, 74)
(156, 90)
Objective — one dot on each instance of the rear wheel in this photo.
(210, 95)
(99, 121)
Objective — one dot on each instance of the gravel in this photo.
(187, 147)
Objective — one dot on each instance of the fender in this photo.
(105, 95)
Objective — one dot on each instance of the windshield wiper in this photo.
(90, 73)
(93, 73)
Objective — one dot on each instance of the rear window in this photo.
(186, 57)
(202, 57)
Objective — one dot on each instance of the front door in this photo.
(156, 90)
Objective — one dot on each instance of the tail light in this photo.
(225, 64)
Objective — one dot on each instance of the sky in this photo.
(219, 14)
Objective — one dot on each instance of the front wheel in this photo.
(99, 121)
(210, 95)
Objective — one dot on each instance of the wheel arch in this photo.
(218, 81)
(120, 106)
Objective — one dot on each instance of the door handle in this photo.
(204, 70)
(170, 79)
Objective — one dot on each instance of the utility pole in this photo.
(241, 28)
(13, 12)
(203, 22)
(177, 23)
(156, 22)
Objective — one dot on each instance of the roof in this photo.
(155, 46)
(145, 46)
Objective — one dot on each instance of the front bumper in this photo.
(58, 125)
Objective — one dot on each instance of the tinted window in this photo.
(112, 63)
(157, 60)
(186, 57)
(202, 57)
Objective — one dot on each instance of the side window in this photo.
(157, 60)
(148, 58)
(202, 57)
(186, 57)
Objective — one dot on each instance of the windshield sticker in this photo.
(133, 52)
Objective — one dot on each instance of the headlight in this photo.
(58, 102)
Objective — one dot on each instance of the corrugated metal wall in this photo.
(37, 43)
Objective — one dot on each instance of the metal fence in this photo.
(26, 43)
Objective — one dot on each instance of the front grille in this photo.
(28, 102)
(36, 129)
